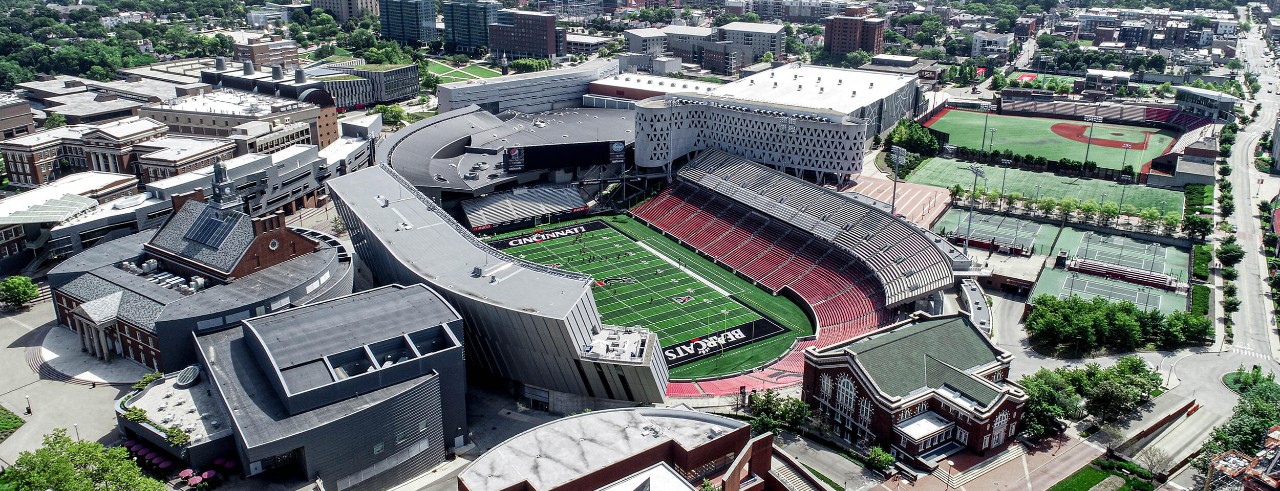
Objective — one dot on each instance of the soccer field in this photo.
(947, 172)
(642, 286)
(1056, 138)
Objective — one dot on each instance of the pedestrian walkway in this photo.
(1249, 352)
(58, 357)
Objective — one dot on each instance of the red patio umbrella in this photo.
(140, 449)
(128, 443)
(150, 455)
(186, 473)
(157, 460)
(219, 461)
(166, 464)
(231, 464)
(209, 475)
(194, 481)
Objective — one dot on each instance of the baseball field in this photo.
(1055, 138)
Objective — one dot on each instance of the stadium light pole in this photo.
(899, 155)
(1005, 176)
(1125, 161)
(1093, 120)
(992, 148)
(977, 172)
(986, 115)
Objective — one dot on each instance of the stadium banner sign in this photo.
(720, 341)
(617, 152)
(554, 233)
(514, 158)
(478, 228)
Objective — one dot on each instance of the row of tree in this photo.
(1081, 327)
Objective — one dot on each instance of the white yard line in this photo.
(682, 268)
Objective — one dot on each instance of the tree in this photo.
(1197, 226)
(1235, 64)
(16, 291)
(55, 120)
(1230, 253)
(1111, 399)
(430, 81)
(392, 116)
(773, 414)
(956, 192)
(325, 50)
(1111, 210)
(706, 483)
(878, 459)
(1231, 305)
(68, 465)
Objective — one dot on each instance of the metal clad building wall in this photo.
(526, 347)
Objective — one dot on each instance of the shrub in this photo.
(878, 459)
(147, 379)
(1203, 253)
(1230, 274)
(175, 436)
(1200, 297)
(135, 414)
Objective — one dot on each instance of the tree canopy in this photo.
(15, 291)
(1079, 326)
(68, 465)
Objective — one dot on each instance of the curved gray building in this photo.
(532, 324)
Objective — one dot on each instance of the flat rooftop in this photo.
(418, 233)
(193, 409)
(175, 148)
(563, 450)
(235, 103)
(657, 83)
(579, 38)
(753, 27)
(817, 87)
(59, 199)
(46, 136)
(83, 104)
(300, 339)
(690, 31)
(647, 32)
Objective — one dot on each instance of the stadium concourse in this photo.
(844, 255)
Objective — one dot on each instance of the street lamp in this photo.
(1093, 120)
(28, 398)
(977, 172)
(899, 156)
(951, 466)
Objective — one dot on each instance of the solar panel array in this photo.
(212, 227)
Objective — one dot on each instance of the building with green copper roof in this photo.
(924, 389)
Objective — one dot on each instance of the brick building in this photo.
(15, 117)
(523, 34)
(853, 31)
(267, 52)
(218, 113)
(923, 389)
(25, 218)
(346, 9)
(140, 297)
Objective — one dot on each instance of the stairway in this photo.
(789, 478)
(1014, 451)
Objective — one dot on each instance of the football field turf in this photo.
(1056, 138)
(640, 286)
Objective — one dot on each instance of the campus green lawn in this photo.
(481, 71)
(1026, 135)
(947, 172)
(449, 73)
(1082, 480)
(649, 302)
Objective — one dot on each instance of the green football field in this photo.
(657, 287)
(947, 172)
(1040, 137)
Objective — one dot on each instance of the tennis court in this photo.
(1035, 236)
(1063, 284)
(945, 173)
(1055, 138)
(1124, 251)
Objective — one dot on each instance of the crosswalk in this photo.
(1248, 352)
